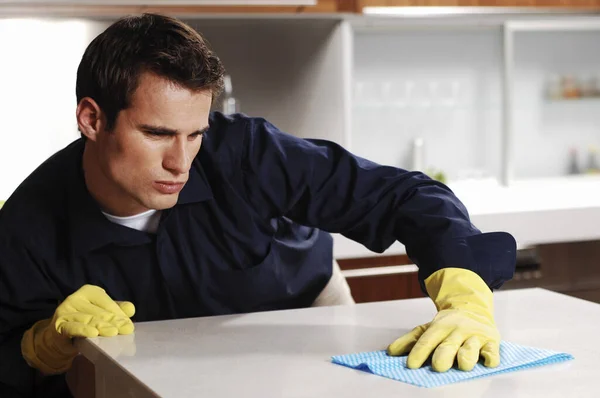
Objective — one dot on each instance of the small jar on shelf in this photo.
(570, 87)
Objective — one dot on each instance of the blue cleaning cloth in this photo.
(513, 357)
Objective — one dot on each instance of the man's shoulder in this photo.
(41, 198)
(235, 126)
(220, 121)
(223, 127)
(225, 138)
(239, 133)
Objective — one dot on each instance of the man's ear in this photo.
(90, 118)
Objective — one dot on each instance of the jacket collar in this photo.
(197, 189)
(90, 229)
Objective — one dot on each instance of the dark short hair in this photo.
(111, 65)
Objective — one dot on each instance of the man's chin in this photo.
(163, 202)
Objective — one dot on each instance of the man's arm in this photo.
(26, 296)
(36, 331)
(320, 184)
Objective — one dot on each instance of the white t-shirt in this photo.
(147, 221)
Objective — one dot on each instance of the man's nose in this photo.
(178, 158)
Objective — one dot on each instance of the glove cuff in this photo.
(43, 348)
(459, 288)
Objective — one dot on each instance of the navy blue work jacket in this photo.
(250, 232)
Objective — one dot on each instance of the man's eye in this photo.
(153, 133)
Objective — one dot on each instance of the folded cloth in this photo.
(513, 357)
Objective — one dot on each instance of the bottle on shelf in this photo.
(418, 155)
(230, 104)
(573, 162)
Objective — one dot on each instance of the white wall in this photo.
(462, 128)
(38, 66)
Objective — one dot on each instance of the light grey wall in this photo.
(287, 71)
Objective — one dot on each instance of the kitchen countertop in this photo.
(287, 353)
(534, 211)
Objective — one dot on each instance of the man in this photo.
(165, 210)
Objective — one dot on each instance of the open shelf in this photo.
(573, 100)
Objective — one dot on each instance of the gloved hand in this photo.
(463, 328)
(89, 312)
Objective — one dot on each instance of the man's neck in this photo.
(110, 198)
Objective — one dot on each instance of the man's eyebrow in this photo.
(158, 130)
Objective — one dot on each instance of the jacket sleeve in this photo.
(318, 183)
(26, 296)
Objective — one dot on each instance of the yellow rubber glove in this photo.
(89, 312)
(463, 328)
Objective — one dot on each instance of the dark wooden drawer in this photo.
(390, 286)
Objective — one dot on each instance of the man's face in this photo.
(148, 154)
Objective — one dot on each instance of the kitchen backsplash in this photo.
(445, 87)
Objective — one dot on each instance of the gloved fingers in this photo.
(105, 302)
(73, 328)
(491, 354)
(94, 300)
(112, 324)
(105, 324)
(428, 342)
(468, 355)
(105, 329)
(98, 308)
(119, 321)
(406, 342)
(91, 294)
(127, 307)
(445, 354)
(124, 325)
(96, 296)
